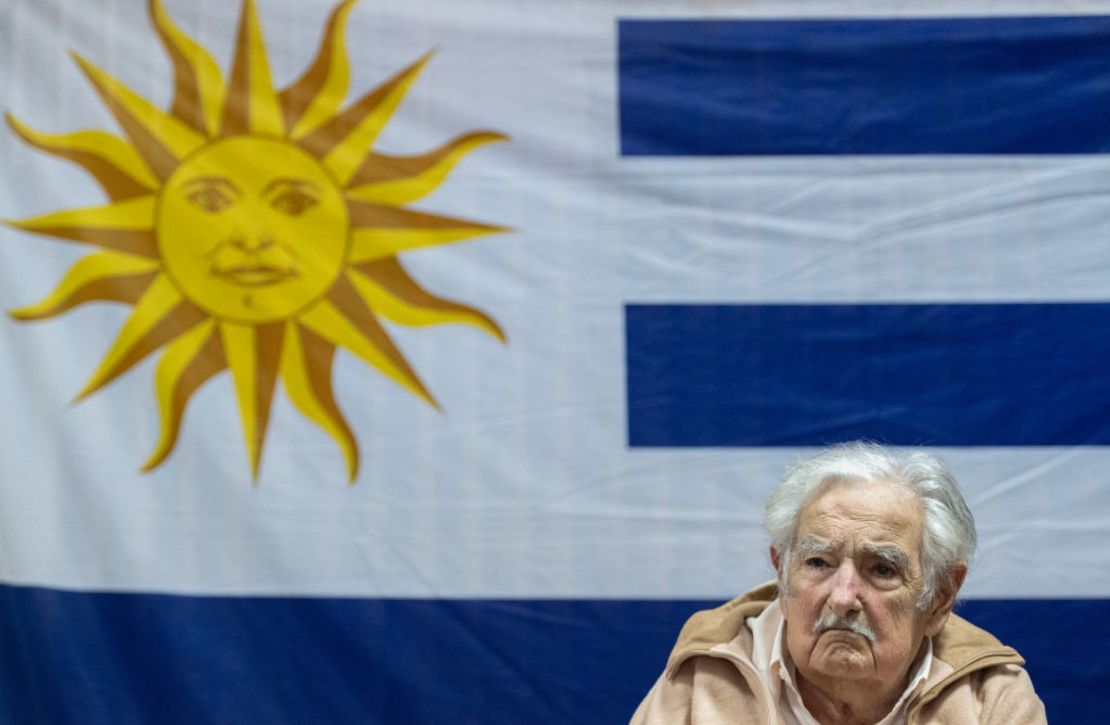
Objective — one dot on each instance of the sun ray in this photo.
(389, 290)
(158, 318)
(125, 226)
(318, 93)
(380, 230)
(344, 141)
(198, 92)
(403, 179)
(252, 105)
(306, 364)
(253, 355)
(188, 363)
(99, 277)
(253, 231)
(344, 320)
(161, 139)
(114, 164)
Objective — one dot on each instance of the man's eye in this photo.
(293, 202)
(816, 562)
(884, 571)
(211, 199)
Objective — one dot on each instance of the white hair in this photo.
(949, 529)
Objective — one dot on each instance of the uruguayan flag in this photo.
(433, 360)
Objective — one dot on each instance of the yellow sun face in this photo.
(254, 230)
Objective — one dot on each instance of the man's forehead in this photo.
(853, 514)
(833, 526)
(863, 505)
(890, 550)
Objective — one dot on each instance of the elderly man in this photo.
(871, 547)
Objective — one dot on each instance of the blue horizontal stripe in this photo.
(131, 658)
(1027, 85)
(906, 374)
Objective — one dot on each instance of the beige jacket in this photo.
(710, 677)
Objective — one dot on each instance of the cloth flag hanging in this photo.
(378, 362)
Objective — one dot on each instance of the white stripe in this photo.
(524, 487)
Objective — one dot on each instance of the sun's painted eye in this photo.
(292, 196)
(212, 194)
(293, 202)
(211, 199)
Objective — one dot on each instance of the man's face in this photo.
(856, 560)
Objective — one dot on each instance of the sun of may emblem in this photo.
(253, 230)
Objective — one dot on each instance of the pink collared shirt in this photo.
(772, 660)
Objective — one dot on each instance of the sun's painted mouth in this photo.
(254, 276)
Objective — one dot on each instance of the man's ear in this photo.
(946, 599)
(776, 561)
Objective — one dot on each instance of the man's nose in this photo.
(844, 597)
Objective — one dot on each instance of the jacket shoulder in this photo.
(710, 627)
(976, 677)
(960, 643)
(995, 695)
(703, 690)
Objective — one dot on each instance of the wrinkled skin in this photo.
(857, 557)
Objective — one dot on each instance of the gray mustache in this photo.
(831, 621)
